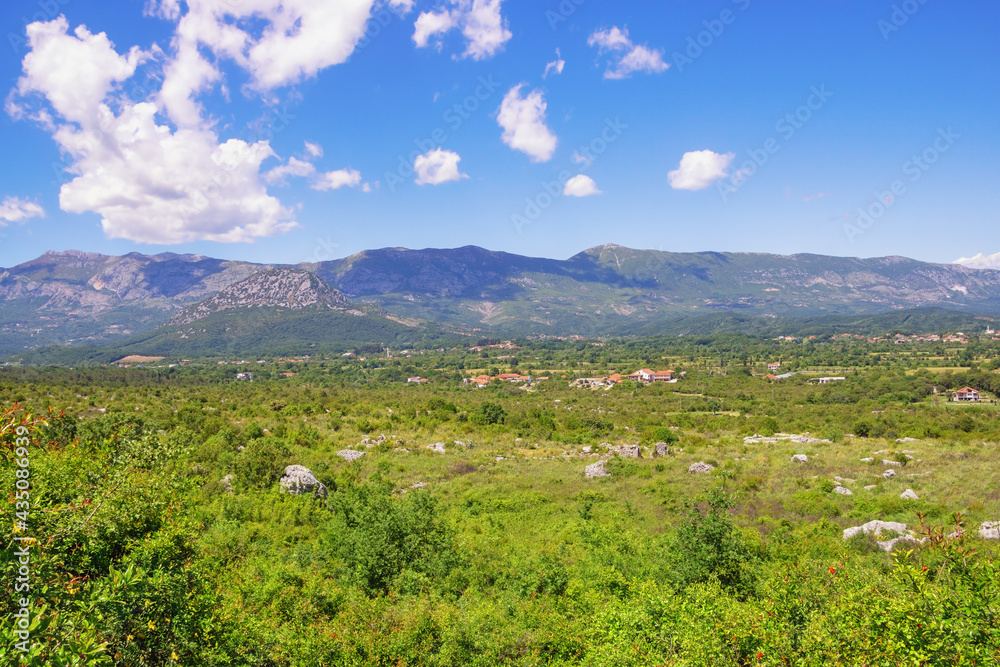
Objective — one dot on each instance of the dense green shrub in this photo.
(488, 414)
(261, 462)
(383, 541)
(708, 547)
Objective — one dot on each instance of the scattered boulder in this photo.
(893, 464)
(350, 454)
(661, 449)
(805, 440)
(800, 458)
(990, 530)
(875, 528)
(626, 451)
(868, 459)
(701, 467)
(437, 448)
(889, 474)
(419, 485)
(587, 449)
(871, 487)
(596, 470)
(906, 440)
(459, 443)
(299, 479)
(227, 483)
(909, 495)
(890, 545)
(842, 490)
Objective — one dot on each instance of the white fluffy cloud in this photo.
(699, 169)
(330, 180)
(75, 72)
(523, 121)
(154, 183)
(340, 178)
(401, 6)
(147, 182)
(980, 261)
(626, 57)
(294, 167)
(556, 66)
(298, 38)
(580, 186)
(437, 166)
(480, 21)
(314, 150)
(15, 209)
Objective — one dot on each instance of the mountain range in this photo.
(77, 298)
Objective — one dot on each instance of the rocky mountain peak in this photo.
(291, 288)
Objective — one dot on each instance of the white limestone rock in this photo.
(596, 470)
(299, 479)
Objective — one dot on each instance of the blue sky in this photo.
(313, 129)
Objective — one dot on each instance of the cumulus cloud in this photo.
(340, 178)
(314, 150)
(437, 166)
(613, 39)
(981, 261)
(699, 169)
(298, 38)
(330, 180)
(626, 57)
(75, 72)
(155, 183)
(480, 21)
(401, 7)
(523, 121)
(294, 167)
(15, 209)
(580, 186)
(148, 183)
(556, 66)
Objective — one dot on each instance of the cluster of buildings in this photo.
(643, 375)
(507, 345)
(900, 339)
(483, 380)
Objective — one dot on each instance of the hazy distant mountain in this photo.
(613, 289)
(74, 297)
